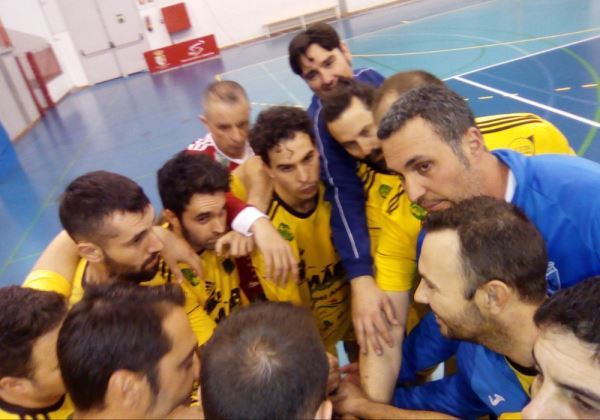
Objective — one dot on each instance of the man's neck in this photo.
(298, 205)
(28, 402)
(495, 176)
(107, 413)
(520, 334)
(96, 273)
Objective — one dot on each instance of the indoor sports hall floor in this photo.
(540, 56)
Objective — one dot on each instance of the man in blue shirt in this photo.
(482, 269)
(321, 58)
(430, 139)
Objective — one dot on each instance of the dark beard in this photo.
(376, 161)
(122, 272)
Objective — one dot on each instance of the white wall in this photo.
(353, 6)
(231, 21)
(41, 18)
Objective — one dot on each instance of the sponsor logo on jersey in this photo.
(419, 212)
(552, 277)
(384, 190)
(496, 399)
(284, 231)
(190, 276)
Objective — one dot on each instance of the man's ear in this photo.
(203, 119)
(268, 169)
(173, 221)
(325, 411)
(127, 391)
(473, 143)
(493, 297)
(345, 51)
(10, 385)
(90, 251)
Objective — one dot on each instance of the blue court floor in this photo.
(540, 56)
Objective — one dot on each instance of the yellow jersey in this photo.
(322, 285)
(395, 258)
(207, 301)
(377, 187)
(62, 409)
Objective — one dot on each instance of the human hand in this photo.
(372, 312)
(234, 245)
(277, 253)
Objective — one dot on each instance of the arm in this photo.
(351, 400)
(60, 256)
(344, 190)
(379, 372)
(452, 395)
(255, 182)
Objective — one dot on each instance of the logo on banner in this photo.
(197, 48)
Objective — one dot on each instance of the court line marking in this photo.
(528, 102)
(473, 47)
(581, 41)
(220, 75)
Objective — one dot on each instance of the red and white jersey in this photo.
(208, 146)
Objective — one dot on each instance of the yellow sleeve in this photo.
(289, 292)
(237, 187)
(202, 324)
(48, 281)
(395, 259)
(510, 416)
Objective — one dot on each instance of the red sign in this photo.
(183, 53)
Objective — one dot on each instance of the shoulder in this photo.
(368, 75)
(205, 144)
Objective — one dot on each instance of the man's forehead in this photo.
(315, 55)
(221, 112)
(124, 222)
(206, 202)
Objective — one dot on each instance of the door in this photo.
(108, 36)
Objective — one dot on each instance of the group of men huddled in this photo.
(279, 241)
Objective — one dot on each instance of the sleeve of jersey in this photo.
(202, 324)
(289, 292)
(451, 395)
(344, 191)
(424, 348)
(49, 281)
(234, 206)
(395, 257)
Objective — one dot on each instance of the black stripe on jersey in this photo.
(394, 202)
(370, 182)
(506, 127)
(273, 206)
(507, 119)
(295, 212)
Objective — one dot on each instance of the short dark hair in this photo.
(226, 91)
(186, 174)
(574, 309)
(92, 197)
(335, 103)
(115, 326)
(321, 34)
(27, 314)
(276, 125)
(264, 361)
(402, 82)
(445, 110)
(497, 242)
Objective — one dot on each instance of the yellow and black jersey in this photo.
(207, 301)
(524, 133)
(322, 284)
(395, 258)
(377, 187)
(396, 253)
(62, 409)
